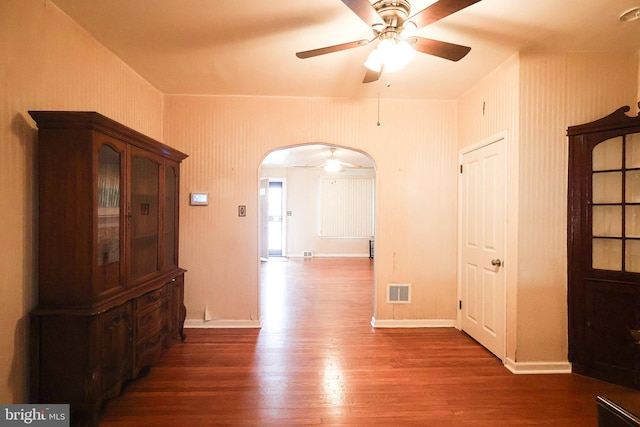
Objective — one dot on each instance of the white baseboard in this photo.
(538, 367)
(222, 324)
(317, 255)
(413, 323)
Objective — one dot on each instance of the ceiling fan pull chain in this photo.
(378, 108)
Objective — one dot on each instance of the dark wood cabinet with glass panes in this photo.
(110, 291)
(604, 248)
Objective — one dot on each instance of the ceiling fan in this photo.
(392, 27)
(333, 164)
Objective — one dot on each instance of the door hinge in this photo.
(460, 168)
(460, 304)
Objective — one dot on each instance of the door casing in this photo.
(498, 344)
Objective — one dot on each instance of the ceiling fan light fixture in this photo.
(332, 166)
(403, 53)
(391, 54)
(377, 58)
(408, 27)
(374, 62)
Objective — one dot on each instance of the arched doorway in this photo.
(325, 196)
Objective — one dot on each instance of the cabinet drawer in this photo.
(148, 350)
(148, 321)
(151, 298)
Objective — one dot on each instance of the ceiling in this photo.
(315, 155)
(247, 47)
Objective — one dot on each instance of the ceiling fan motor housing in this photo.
(393, 12)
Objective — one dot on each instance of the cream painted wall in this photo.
(227, 137)
(536, 96)
(302, 187)
(557, 90)
(487, 110)
(47, 62)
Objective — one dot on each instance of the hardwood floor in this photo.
(317, 360)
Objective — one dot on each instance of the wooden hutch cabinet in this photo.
(111, 294)
(604, 248)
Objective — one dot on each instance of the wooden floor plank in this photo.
(318, 361)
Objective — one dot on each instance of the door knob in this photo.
(496, 262)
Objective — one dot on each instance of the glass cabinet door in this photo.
(170, 250)
(615, 201)
(144, 215)
(109, 221)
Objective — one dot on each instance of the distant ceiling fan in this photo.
(333, 164)
(392, 26)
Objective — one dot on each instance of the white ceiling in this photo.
(247, 47)
(315, 155)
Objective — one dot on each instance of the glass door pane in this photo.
(632, 151)
(607, 221)
(607, 204)
(607, 254)
(145, 173)
(632, 256)
(169, 220)
(632, 186)
(109, 217)
(607, 187)
(632, 221)
(607, 155)
(615, 204)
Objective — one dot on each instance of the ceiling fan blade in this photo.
(450, 51)
(371, 76)
(330, 49)
(365, 11)
(439, 10)
(351, 165)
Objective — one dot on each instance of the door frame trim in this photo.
(500, 136)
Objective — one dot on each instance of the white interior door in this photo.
(482, 245)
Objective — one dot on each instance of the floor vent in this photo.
(398, 293)
(307, 254)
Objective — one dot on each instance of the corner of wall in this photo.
(638, 81)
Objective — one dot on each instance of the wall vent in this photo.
(307, 254)
(398, 293)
